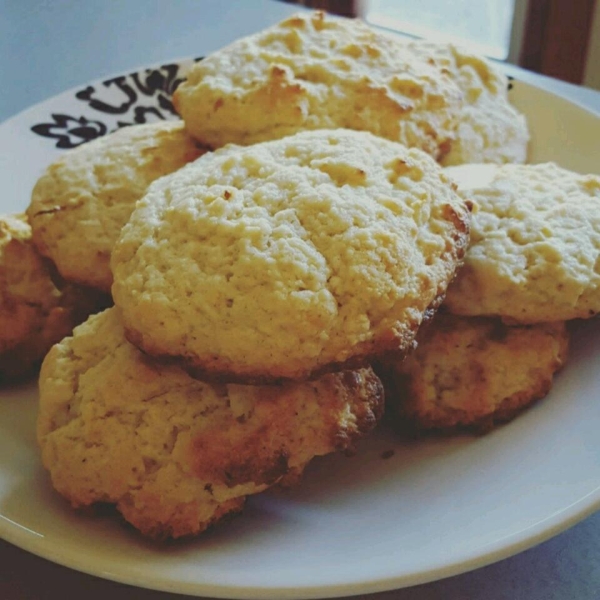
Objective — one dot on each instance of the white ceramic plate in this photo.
(435, 508)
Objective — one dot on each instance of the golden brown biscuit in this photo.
(82, 201)
(289, 258)
(489, 129)
(535, 244)
(313, 71)
(475, 372)
(175, 454)
(36, 309)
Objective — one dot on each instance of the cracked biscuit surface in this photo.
(82, 201)
(289, 258)
(535, 244)
(489, 129)
(313, 71)
(475, 372)
(175, 454)
(35, 309)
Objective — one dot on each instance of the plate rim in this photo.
(524, 539)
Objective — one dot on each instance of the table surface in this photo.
(47, 46)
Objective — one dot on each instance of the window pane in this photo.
(483, 25)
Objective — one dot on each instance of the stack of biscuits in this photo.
(533, 264)
(252, 288)
(296, 229)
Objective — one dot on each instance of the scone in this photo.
(289, 258)
(82, 201)
(175, 454)
(535, 244)
(313, 71)
(490, 129)
(475, 372)
(36, 310)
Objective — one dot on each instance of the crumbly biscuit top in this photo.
(535, 243)
(489, 129)
(458, 62)
(278, 259)
(313, 71)
(82, 201)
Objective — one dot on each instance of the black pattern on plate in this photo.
(70, 131)
(140, 97)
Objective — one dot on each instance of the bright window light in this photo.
(484, 26)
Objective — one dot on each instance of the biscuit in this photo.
(313, 71)
(475, 372)
(35, 309)
(535, 244)
(490, 129)
(82, 201)
(289, 258)
(175, 454)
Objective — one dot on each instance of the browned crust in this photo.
(395, 346)
(455, 421)
(398, 386)
(267, 448)
(368, 410)
(368, 413)
(270, 444)
(175, 523)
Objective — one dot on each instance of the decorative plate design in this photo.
(139, 97)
